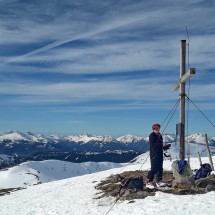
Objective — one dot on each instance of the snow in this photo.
(175, 148)
(4, 157)
(198, 138)
(34, 172)
(168, 138)
(194, 149)
(14, 136)
(85, 138)
(77, 196)
(129, 138)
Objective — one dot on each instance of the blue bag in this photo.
(204, 171)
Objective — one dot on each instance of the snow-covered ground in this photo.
(174, 152)
(34, 172)
(76, 196)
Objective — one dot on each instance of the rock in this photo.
(198, 190)
(143, 194)
(131, 194)
(209, 188)
(185, 180)
(204, 182)
(183, 184)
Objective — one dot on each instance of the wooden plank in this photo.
(200, 160)
(209, 152)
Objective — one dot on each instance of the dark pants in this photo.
(156, 169)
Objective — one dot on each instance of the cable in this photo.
(176, 106)
(112, 206)
(170, 112)
(188, 112)
(201, 112)
(188, 93)
(121, 169)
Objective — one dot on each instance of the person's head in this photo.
(156, 128)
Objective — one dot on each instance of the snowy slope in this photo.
(34, 172)
(76, 196)
(194, 149)
(174, 152)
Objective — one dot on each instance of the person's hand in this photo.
(166, 146)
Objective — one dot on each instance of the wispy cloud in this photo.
(133, 93)
(148, 22)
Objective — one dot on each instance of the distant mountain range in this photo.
(26, 144)
(16, 147)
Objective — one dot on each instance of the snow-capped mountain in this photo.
(196, 138)
(134, 142)
(200, 138)
(17, 137)
(85, 138)
(130, 139)
(169, 138)
(27, 144)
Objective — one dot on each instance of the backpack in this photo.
(204, 171)
(131, 183)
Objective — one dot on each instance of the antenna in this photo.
(188, 48)
(188, 92)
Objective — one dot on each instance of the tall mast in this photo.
(181, 84)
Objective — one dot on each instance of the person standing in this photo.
(156, 157)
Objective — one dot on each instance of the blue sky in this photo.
(103, 67)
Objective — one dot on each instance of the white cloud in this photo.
(124, 57)
(123, 93)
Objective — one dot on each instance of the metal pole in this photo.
(200, 160)
(209, 152)
(182, 99)
(188, 152)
